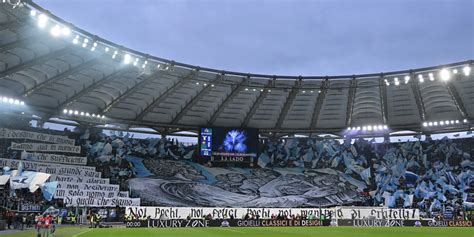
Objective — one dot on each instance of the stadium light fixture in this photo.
(106, 49)
(441, 123)
(65, 111)
(425, 124)
(304, 92)
(430, 124)
(253, 89)
(65, 31)
(71, 112)
(311, 91)
(444, 74)
(246, 89)
(466, 70)
(457, 121)
(269, 90)
(431, 76)
(212, 85)
(452, 121)
(127, 58)
(197, 83)
(396, 81)
(421, 79)
(33, 13)
(42, 20)
(464, 121)
(407, 79)
(435, 123)
(76, 40)
(455, 71)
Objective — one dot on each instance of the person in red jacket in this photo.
(44, 224)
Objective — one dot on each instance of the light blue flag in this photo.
(365, 174)
(20, 168)
(23, 181)
(49, 189)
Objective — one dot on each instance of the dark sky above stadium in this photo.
(290, 37)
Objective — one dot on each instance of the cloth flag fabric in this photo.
(38, 180)
(49, 189)
(23, 181)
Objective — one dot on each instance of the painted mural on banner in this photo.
(266, 213)
(51, 168)
(35, 136)
(54, 158)
(45, 147)
(177, 183)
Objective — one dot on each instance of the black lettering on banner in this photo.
(197, 213)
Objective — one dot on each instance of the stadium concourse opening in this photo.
(95, 135)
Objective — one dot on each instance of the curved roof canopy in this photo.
(62, 71)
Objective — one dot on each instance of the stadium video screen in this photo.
(228, 142)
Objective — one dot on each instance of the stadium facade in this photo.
(61, 71)
(52, 71)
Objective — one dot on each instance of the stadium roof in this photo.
(62, 71)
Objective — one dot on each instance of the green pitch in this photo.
(258, 231)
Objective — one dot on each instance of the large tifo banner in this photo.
(34, 136)
(45, 147)
(57, 169)
(266, 213)
(54, 158)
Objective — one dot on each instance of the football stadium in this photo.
(99, 139)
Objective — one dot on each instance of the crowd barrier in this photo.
(195, 223)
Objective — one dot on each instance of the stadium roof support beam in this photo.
(419, 100)
(383, 99)
(255, 105)
(33, 62)
(286, 107)
(93, 86)
(319, 104)
(457, 100)
(131, 90)
(160, 98)
(350, 101)
(194, 100)
(65, 74)
(229, 98)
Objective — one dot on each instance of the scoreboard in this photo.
(232, 145)
(205, 143)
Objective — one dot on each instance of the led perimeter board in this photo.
(228, 144)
